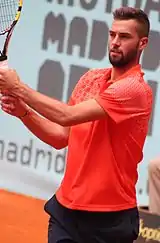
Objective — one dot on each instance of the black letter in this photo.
(109, 6)
(152, 5)
(99, 40)
(12, 154)
(138, 3)
(88, 6)
(70, 2)
(77, 35)
(26, 154)
(60, 162)
(38, 153)
(154, 86)
(2, 149)
(49, 160)
(54, 30)
(51, 79)
(75, 73)
(151, 57)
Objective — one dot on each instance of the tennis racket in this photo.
(10, 11)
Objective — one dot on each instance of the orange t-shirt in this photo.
(101, 169)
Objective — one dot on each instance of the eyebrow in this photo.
(121, 33)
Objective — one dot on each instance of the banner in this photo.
(54, 43)
(149, 230)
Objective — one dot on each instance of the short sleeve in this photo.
(70, 101)
(124, 99)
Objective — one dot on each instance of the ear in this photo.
(143, 43)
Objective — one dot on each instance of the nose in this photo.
(116, 41)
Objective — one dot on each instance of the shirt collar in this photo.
(134, 69)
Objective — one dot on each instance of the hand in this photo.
(13, 106)
(9, 80)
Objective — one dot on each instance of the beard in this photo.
(118, 59)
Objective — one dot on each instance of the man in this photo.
(154, 185)
(105, 126)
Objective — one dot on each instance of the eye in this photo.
(112, 34)
(124, 36)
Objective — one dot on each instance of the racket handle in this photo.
(4, 64)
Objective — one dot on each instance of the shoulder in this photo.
(134, 83)
(131, 88)
(91, 76)
(95, 73)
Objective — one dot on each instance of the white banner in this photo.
(54, 43)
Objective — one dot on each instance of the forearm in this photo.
(53, 110)
(47, 131)
(57, 111)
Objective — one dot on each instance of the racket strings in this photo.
(8, 10)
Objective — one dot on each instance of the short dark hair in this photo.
(126, 13)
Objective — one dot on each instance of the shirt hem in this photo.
(99, 208)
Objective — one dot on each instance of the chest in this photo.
(88, 88)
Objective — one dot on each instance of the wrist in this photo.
(19, 91)
(26, 113)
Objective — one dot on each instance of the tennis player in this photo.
(104, 126)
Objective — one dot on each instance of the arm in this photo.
(120, 101)
(55, 111)
(59, 112)
(49, 132)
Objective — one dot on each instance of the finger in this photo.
(7, 111)
(5, 100)
(8, 106)
(5, 92)
(8, 99)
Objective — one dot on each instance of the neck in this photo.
(118, 71)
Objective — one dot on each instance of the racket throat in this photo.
(3, 57)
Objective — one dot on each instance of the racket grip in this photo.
(4, 64)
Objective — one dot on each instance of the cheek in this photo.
(127, 47)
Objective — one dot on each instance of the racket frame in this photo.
(9, 31)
